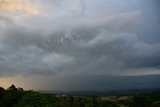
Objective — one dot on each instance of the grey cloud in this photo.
(72, 42)
(99, 82)
(31, 60)
(82, 5)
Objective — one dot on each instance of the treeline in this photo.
(17, 97)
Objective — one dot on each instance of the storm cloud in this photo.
(81, 37)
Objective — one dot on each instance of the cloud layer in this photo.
(81, 37)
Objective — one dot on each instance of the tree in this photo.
(12, 88)
(34, 99)
(2, 90)
(12, 96)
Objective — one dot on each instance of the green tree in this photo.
(12, 88)
(34, 99)
(12, 96)
(2, 91)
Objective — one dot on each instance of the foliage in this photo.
(17, 97)
(34, 99)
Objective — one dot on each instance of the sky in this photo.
(80, 44)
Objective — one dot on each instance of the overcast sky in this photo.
(80, 44)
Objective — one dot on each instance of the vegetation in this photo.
(17, 97)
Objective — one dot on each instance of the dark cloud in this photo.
(102, 82)
(106, 37)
